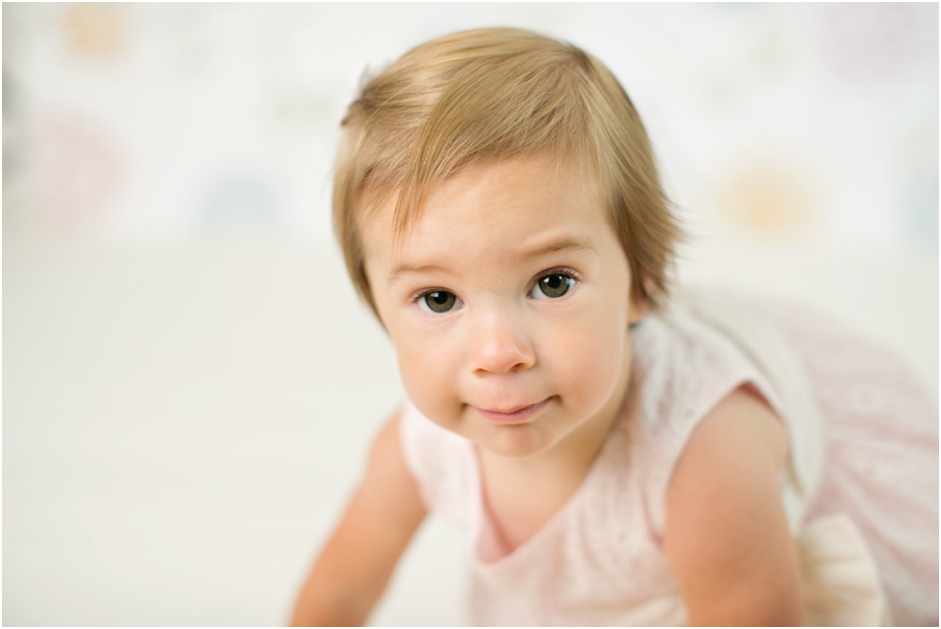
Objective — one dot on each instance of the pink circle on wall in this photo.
(866, 42)
(73, 171)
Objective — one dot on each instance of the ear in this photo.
(638, 305)
(636, 309)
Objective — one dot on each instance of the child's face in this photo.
(508, 304)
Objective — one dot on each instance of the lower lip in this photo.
(515, 417)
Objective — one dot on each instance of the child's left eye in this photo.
(552, 286)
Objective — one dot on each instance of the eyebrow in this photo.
(563, 244)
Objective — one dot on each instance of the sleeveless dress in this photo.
(860, 489)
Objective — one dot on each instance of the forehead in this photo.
(502, 203)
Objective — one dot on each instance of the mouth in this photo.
(513, 416)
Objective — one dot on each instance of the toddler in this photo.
(620, 453)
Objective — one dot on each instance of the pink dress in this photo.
(860, 490)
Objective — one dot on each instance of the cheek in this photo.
(594, 365)
(428, 367)
(590, 357)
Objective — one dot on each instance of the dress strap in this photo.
(765, 347)
(441, 463)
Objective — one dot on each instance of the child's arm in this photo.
(355, 565)
(726, 535)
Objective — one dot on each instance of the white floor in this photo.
(182, 425)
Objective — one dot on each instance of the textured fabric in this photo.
(881, 453)
(600, 561)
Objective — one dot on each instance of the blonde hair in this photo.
(483, 95)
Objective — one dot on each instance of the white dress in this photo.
(860, 490)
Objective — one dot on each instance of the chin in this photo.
(516, 441)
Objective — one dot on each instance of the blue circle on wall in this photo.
(240, 204)
(920, 210)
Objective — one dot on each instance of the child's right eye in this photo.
(437, 302)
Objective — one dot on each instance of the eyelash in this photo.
(426, 291)
(560, 270)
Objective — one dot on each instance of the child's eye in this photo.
(437, 301)
(552, 286)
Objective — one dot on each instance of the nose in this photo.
(500, 346)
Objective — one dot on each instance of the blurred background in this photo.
(191, 383)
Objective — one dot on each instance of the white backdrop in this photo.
(190, 383)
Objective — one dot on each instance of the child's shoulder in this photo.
(691, 355)
(703, 354)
